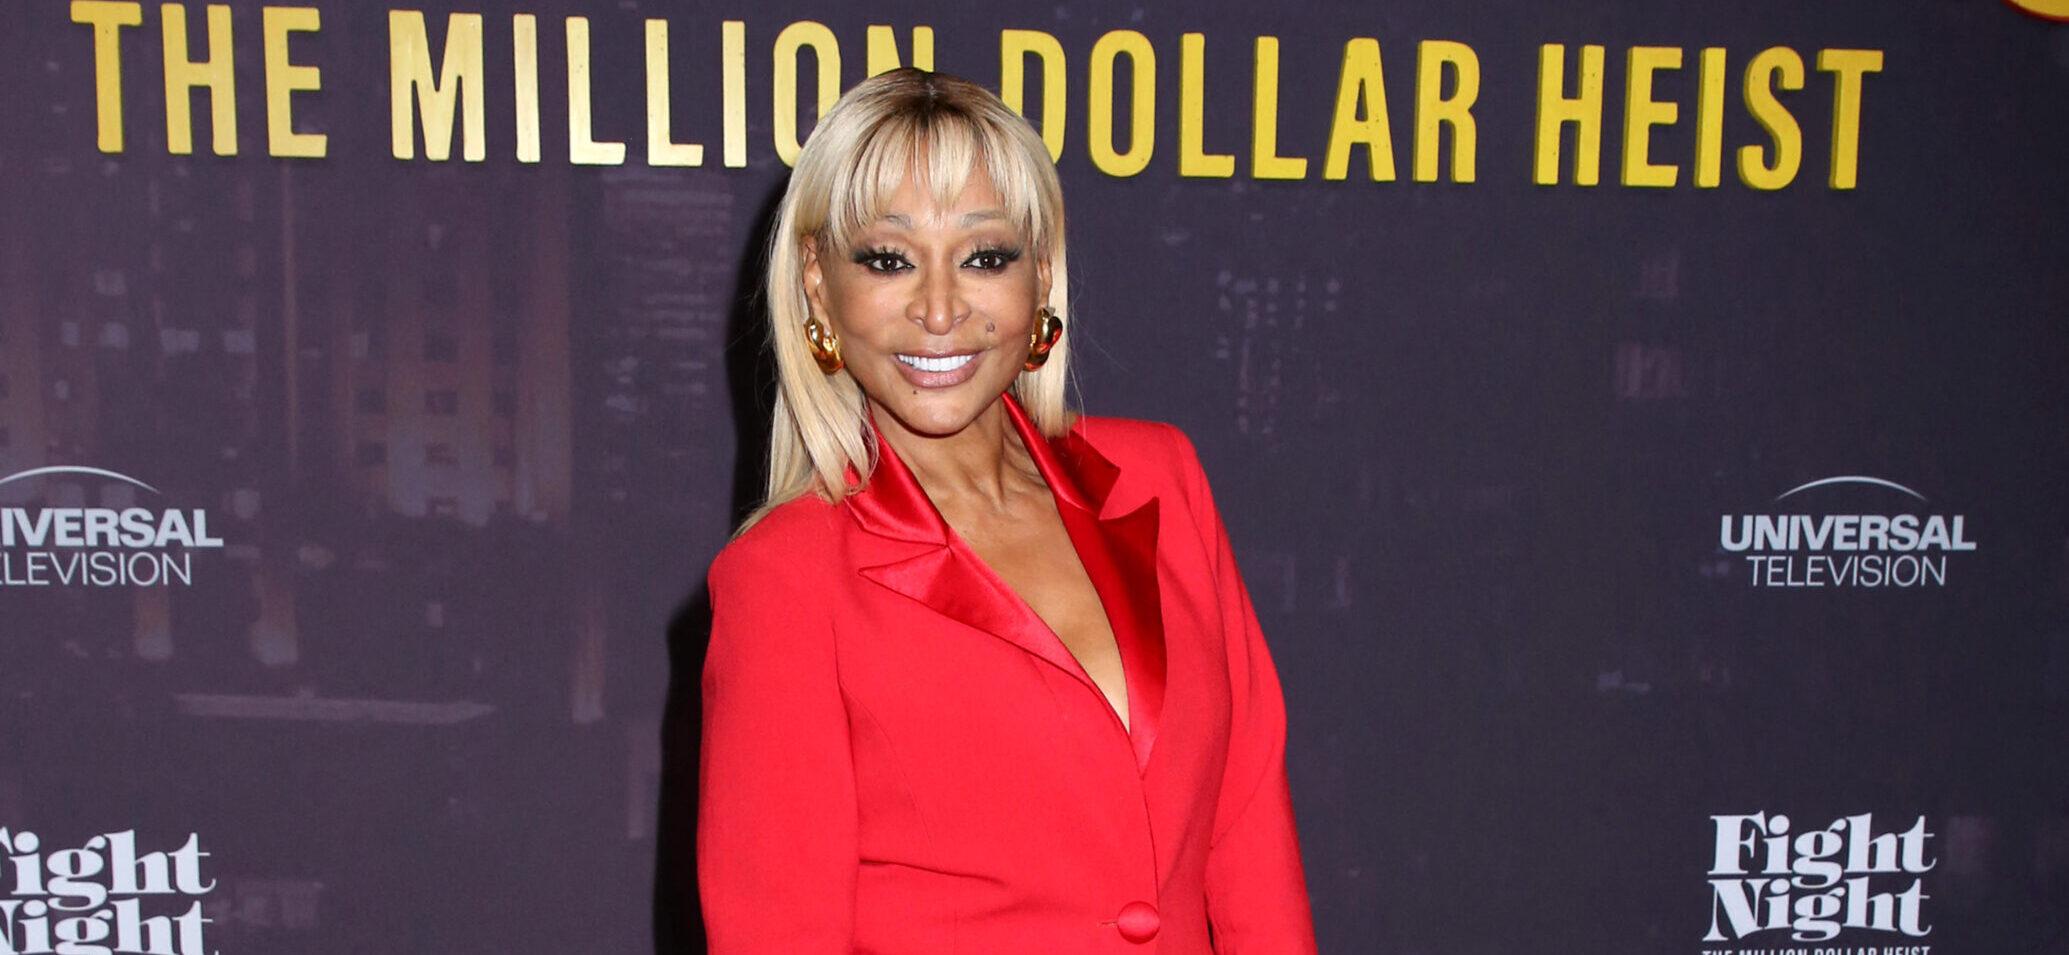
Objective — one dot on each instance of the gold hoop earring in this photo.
(825, 345)
(1048, 328)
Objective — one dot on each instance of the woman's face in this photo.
(933, 305)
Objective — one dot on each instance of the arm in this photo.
(776, 815)
(1257, 896)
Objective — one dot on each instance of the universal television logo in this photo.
(99, 546)
(1884, 547)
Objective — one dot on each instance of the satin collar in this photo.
(894, 505)
(1119, 554)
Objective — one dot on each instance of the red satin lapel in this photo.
(894, 505)
(953, 581)
(1118, 553)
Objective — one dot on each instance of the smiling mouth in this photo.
(944, 363)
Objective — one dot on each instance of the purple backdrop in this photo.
(426, 461)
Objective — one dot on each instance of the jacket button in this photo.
(1138, 921)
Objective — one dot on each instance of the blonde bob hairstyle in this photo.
(938, 127)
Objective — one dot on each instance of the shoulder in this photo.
(1126, 441)
(1144, 447)
(787, 542)
(770, 616)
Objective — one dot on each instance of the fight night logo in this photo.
(1891, 548)
(1769, 875)
(103, 898)
(99, 546)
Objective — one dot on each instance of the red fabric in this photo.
(900, 757)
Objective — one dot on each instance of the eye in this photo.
(881, 260)
(994, 258)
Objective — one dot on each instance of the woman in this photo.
(983, 676)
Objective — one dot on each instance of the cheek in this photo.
(1006, 310)
(862, 311)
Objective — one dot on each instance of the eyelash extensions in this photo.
(870, 254)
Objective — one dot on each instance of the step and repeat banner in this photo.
(1641, 427)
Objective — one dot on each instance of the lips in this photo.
(938, 371)
(937, 363)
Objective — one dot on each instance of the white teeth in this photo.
(950, 363)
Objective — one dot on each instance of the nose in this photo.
(938, 305)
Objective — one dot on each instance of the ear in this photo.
(1043, 280)
(815, 278)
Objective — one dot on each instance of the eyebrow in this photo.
(904, 221)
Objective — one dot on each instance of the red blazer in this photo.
(900, 757)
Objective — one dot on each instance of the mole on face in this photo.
(991, 327)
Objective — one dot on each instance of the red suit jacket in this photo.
(899, 756)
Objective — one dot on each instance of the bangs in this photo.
(934, 131)
(943, 148)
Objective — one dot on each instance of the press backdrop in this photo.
(1641, 426)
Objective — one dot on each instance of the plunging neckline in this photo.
(959, 543)
(997, 580)
(1118, 552)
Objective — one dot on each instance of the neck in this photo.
(982, 463)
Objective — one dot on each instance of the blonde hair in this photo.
(903, 120)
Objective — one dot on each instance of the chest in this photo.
(971, 722)
(963, 725)
(1034, 557)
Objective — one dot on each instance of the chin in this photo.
(941, 413)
